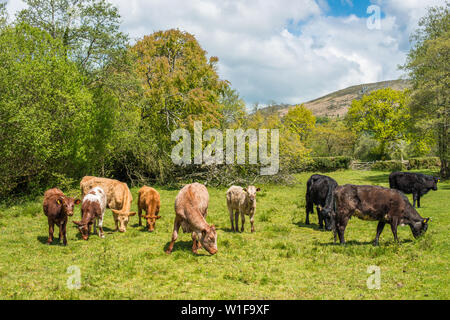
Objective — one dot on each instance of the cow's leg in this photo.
(418, 201)
(51, 226)
(176, 227)
(100, 227)
(194, 243)
(60, 231)
(242, 221)
(64, 232)
(140, 214)
(414, 199)
(116, 221)
(230, 211)
(95, 225)
(342, 224)
(307, 217)
(252, 220)
(394, 225)
(236, 220)
(380, 227)
(320, 218)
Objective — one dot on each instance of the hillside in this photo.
(338, 102)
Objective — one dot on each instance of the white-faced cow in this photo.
(416, 183)
(118, 198)
(93, 210)
(319, 192)
(242, 201)
(376, 204)
(191, 208)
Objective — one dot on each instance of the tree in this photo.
(89, 29)
(3, 15)
(384, 114)
(45, 110)
(428, 63)
(180, 85)
(300, 121)
(332, 138)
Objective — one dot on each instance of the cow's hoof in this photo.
(168, 252)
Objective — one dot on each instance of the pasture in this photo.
(283, 259)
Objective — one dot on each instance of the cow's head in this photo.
(328, 217)
(435, 182)
(151, 221)
(208, 239)
(67, 204)
(83, 227)
(251, 192)
(123, 218)
(419, 228)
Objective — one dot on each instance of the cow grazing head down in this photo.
(328, 217)
(67, 204)
(419, 228)
(151, 221)
(123, 218)
(84, 228)
(208, 239)
(251, 192)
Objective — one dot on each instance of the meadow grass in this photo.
(283, 259)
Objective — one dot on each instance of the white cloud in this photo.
(285, 51)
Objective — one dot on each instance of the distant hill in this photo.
(337, 103)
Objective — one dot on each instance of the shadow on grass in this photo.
(186, 246)
(376, 179)
(43, 240)
(363, 243)
(310, 226)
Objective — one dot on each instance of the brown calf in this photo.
(57, 207)
(191, 208)
(149, 201)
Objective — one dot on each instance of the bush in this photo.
(326, 164)
(388, 165)
(424, 163)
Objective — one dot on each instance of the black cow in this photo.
(376, 204)
(416, 183)
(319, 192)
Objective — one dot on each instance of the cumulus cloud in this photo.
(285, 51)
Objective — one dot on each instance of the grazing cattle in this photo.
(118, 198)
(191, 208)
(377, 204)
(416, 183)
(149, 201)
(92, 211)
(57, 207)
(319, 192)
(241, 201)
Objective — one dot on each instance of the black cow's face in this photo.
(435, 180)
(419, 228)
(328, 217)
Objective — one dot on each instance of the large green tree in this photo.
(384, 114)
(428, 64)
(88, 29)
(46, 125)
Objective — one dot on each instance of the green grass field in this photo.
(283, 259)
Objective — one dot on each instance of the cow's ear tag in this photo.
(425, 220)
(58, 201)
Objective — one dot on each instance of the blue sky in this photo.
(286, 51)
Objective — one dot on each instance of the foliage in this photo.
(88, 29)
(424, 163)
(332, 138)
(46, 111)
(328, 164)
(300, 121)
(429, 68)
(389, 165)
(383, 114)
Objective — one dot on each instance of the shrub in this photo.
(326, 164)
(424, 163)
(388, 165)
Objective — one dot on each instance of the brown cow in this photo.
(376, 203)
(191, 208)
(118, 197)
(149, 201)
(57, 207)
